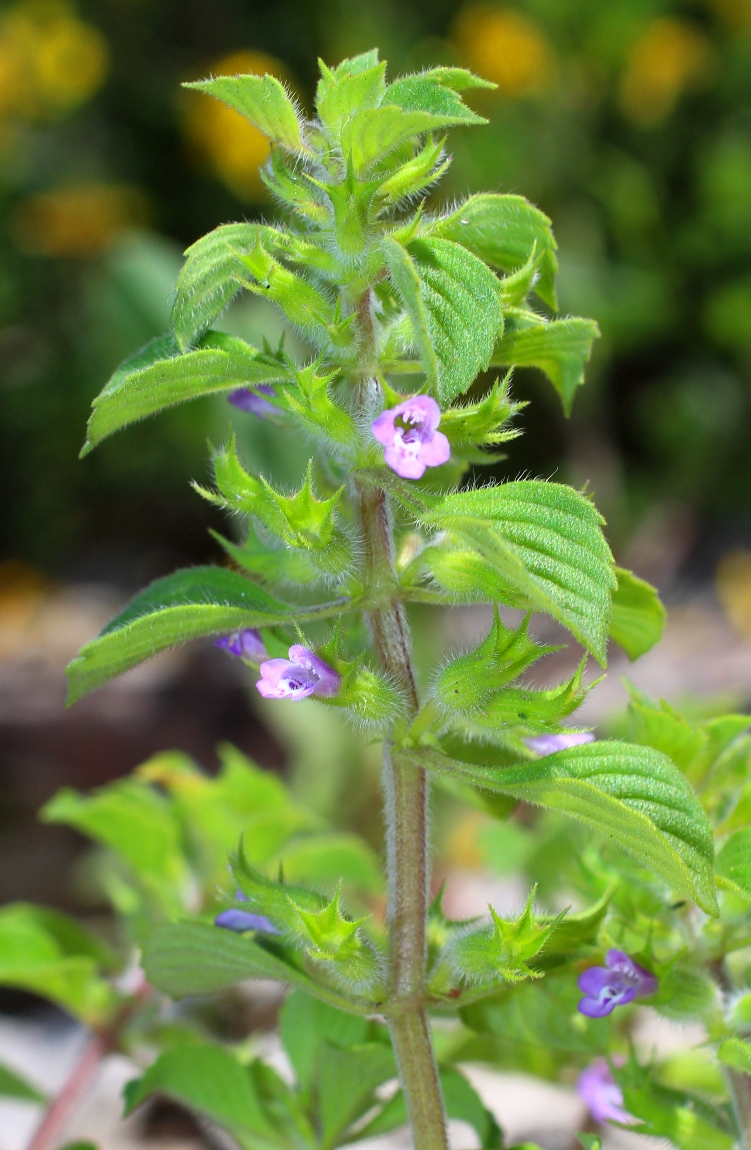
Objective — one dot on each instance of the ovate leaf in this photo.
(560, 348)
(207, 1079)
(635, 795)
(543, 548)
(186, 958)
(734, 864)
(638, 617)
(225, 364)
(454, 305)
(346, 1085)
(263, 101)
(186, 605)
(503, 231)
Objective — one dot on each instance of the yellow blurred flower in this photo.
(503, 46)
(78, 221)
(669, 58)
(231, 145)
(462, 846)
(50, 61)
(733, 583)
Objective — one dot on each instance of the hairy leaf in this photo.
(453, 302)
(560, 348)
(224, 364)
(184, 958)
(347, 1081)
(503, 231)
(263, 101)
(734, 863)
(638, 616)
(635, 795)
(544, 546)
(187, 605)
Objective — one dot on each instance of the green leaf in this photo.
(684, 993)
(210, 1080)
(736, 1054)
(590, 1141)
(634, 794)
(322, 860)
(341, 94)
(138, 824)
(186, 605)
(225, 364)
(187, 958)
(13, 1086)
(457, 78)
(638, 617)
(263, 101)
(734, 863)
(660, 726)
(347, 1081)
(454, 305)
(462, 1102)
(560, 348)
(306, 1023)
(670, 1113)
(503, 231)
(33, 958)
(542, 548)
(430, 93)
(502, 949)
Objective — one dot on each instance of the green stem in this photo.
(406, 812)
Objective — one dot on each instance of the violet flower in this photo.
(549, 744)
(602, 1095)
(617, 983)
(295, 678)
(246, 644)
(234, 918)
(253, 401)
(408, 432)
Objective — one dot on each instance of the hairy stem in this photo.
(406, 810)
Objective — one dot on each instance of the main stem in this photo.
(406, 813)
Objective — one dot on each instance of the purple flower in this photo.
(617, 983)
(408, 432)
(252, 401)
(301, 675)
(246, 644)
(549, 744)
(242, 920)
(602, 1095)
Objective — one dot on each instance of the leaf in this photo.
(429, 93)
(503, 231)
(13, 1086)
(210, 1080)
(542, 544)
(322, 861)
(660, 726)
(736, 1054)
(341, 94)
(734, 863)
(306, 1023)
(131, 819)
(206, 284)
(454, 305)
(186, 605)
(263, 101)
(347, 1080)
(186, 958)
(560, 348)
(225, 364)
(635, 795)
(590, 1141)
(638, 617)
(462, 1102)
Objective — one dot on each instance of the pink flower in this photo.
(549, 744)
(246, 644)
(602, 1095)
(408, 432)
(301, 675)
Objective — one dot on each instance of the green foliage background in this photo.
(651, 202)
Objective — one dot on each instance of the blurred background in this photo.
(628, 122)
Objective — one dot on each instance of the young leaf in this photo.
(543, 546)
(734, 864)
(263, 101)
(223, 363)
(454, 305)
(210, 1080)
(13, 1086)
(635, 795)
(503, 949)
(341, 94)
(503, 231)
(185, 958)
(638, 617)
(560, 348)
(428, 92)
(186, 605)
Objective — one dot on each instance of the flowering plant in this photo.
(403, 308)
